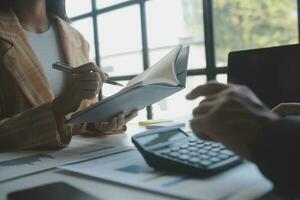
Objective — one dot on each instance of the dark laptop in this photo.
(272, 73)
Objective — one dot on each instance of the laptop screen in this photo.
(272, 73)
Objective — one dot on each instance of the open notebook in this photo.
(163, 79)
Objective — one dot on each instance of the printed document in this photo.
(15, 164)
(129, 168)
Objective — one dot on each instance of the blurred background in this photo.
(128, 36)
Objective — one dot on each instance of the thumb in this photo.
(285, 109)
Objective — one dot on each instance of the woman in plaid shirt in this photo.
(31, 116)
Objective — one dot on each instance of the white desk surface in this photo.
(103, 190)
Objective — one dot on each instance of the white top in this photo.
(48, 50)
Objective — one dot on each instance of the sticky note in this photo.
(166, 124)
(153, 121)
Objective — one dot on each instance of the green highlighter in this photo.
(154, 121)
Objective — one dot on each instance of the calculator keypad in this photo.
(198, 153)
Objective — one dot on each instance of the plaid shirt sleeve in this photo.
(34, 128)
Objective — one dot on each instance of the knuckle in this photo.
(231, 93)
(87, 66)
(81, 67)
(195, 111)
(230, 100)
(90, 64)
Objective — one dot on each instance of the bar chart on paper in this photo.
(16, 164)
(129, 168)
(27, 160)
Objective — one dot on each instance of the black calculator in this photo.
(174, 150)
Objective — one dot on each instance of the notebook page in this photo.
(162, 72)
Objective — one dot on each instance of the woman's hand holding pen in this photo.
(85, 83)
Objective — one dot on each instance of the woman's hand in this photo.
(230, 114)
(116, 125)
(84, 83)
(286, 109)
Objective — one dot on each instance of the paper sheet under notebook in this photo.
(129, 168)
(16, 164)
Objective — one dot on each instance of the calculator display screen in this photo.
(158, 138)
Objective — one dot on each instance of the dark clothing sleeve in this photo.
(277, 154)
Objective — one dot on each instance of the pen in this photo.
(65, 68)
